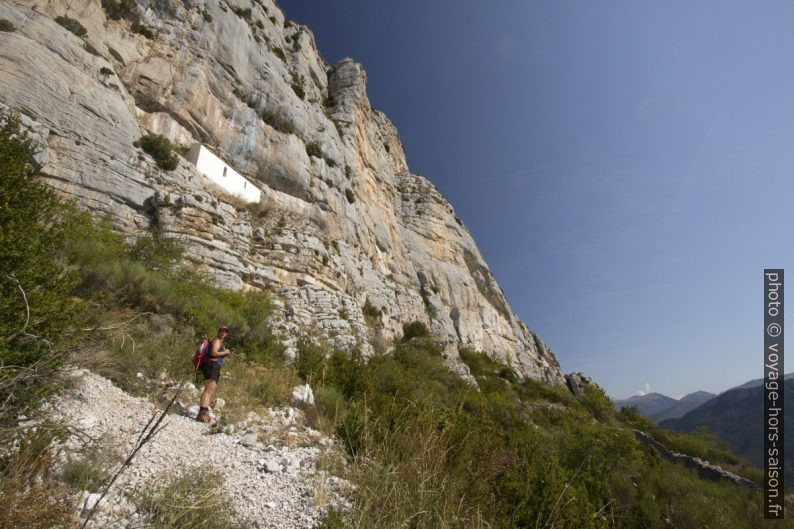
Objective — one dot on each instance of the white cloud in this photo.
(645, 391)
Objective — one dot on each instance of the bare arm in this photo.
(216, 344)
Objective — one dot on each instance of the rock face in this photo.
(349, 241)
(577, 382)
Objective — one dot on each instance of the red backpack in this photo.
(202, 353)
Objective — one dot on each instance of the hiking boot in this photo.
(203, 416)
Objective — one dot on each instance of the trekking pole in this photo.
(145, 436)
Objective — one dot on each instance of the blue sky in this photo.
(625, 167)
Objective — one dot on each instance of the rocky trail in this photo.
(269, 464)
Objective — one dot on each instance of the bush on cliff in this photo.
(72, 25)
(118, 9)
(161, 149)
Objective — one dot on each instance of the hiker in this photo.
(211, 368)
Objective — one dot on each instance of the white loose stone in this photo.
(271, 466)
(303, 395)
(248, 440)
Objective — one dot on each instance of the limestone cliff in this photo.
(349, 241)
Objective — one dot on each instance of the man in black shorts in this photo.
(211, 368)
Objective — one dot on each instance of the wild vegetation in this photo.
(425, 448)
(71, 24)
(7, 26)
(277, 120)
(161, 149)
(428, 450)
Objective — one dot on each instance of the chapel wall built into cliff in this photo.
(219, 172)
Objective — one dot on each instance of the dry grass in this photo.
(246, 387)
(403, 483)
(161, 350)
(333, 462)
(31, 496)
(189, 501)
(321, 491)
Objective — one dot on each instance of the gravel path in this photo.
(271, 484)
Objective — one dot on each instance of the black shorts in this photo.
(211, 370)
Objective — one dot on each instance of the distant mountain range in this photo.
(658, 407)
(735, 416)
(758, 382)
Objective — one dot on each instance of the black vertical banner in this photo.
(773, 394)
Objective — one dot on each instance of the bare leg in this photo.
(209, 389)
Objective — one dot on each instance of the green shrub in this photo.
(38, 315)
(161, 149)
(297, 85)
(299, 90)
(351, 197)
(415, 329)
(278, 121)
(242, 13)
(310, 360)
(142, 30)
(120, 9)
(597, 403)
(206, 15)
(105, 71)
(371, 312)
(7, 25)
(330, 401)
(72, 25)
(313, 149)
(279, 53)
